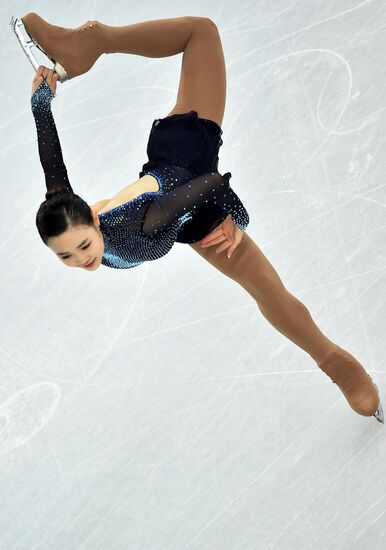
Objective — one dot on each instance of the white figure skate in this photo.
(27, 43)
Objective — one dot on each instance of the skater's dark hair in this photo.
(61, 210)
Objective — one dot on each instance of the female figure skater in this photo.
(179, 196)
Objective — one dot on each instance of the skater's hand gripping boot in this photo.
(73, 51)
(43, 73)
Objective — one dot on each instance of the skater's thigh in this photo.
(248, 266)
(202, 86)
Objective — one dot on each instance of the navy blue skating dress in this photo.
(192, 200)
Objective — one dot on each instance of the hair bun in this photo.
(56, 190)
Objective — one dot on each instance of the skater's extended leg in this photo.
(251, 269)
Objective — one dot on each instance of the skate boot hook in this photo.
(27, 43)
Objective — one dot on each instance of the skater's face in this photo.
(79, 245)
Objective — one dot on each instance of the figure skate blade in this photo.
(27, 42)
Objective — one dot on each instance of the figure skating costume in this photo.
(184, 210)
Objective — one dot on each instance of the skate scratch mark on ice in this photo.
(328, 211)
(276, 373)
(82, 358)
(269, 18)
(9, 444)
(117, 336)
(343, 110)
(324, 488)
(257, 374)
(367, 121)
(17, 430)
(372, 523)
(16, 144)
(348, 98)
(99, 532)
(278, 458)
(251, 92)
(167, 330)
(217, 14)
(184, 294)
(354, 292)
(332, 131)
(375, 282)
(348, 69)
(340, 535)
(22, 422)
(303, 29)
(118, 444)
(348, 94)
(16, 228)
(382, 269)
(333, 53)
(99, 137)
(309, 103)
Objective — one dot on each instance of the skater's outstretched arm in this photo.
(191, 196)
(50, 151)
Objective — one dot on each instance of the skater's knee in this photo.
(203, 22)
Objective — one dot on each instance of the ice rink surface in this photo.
(155, 408)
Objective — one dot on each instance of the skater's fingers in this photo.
(43, 72)
(53, 76)
(47, 74)
(52, 80)
(40, 71)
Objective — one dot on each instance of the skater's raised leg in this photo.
(203, 80)
(202, 85)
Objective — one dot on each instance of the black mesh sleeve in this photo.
(50, 151)
(211, 188)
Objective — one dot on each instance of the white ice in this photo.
(155, 408)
